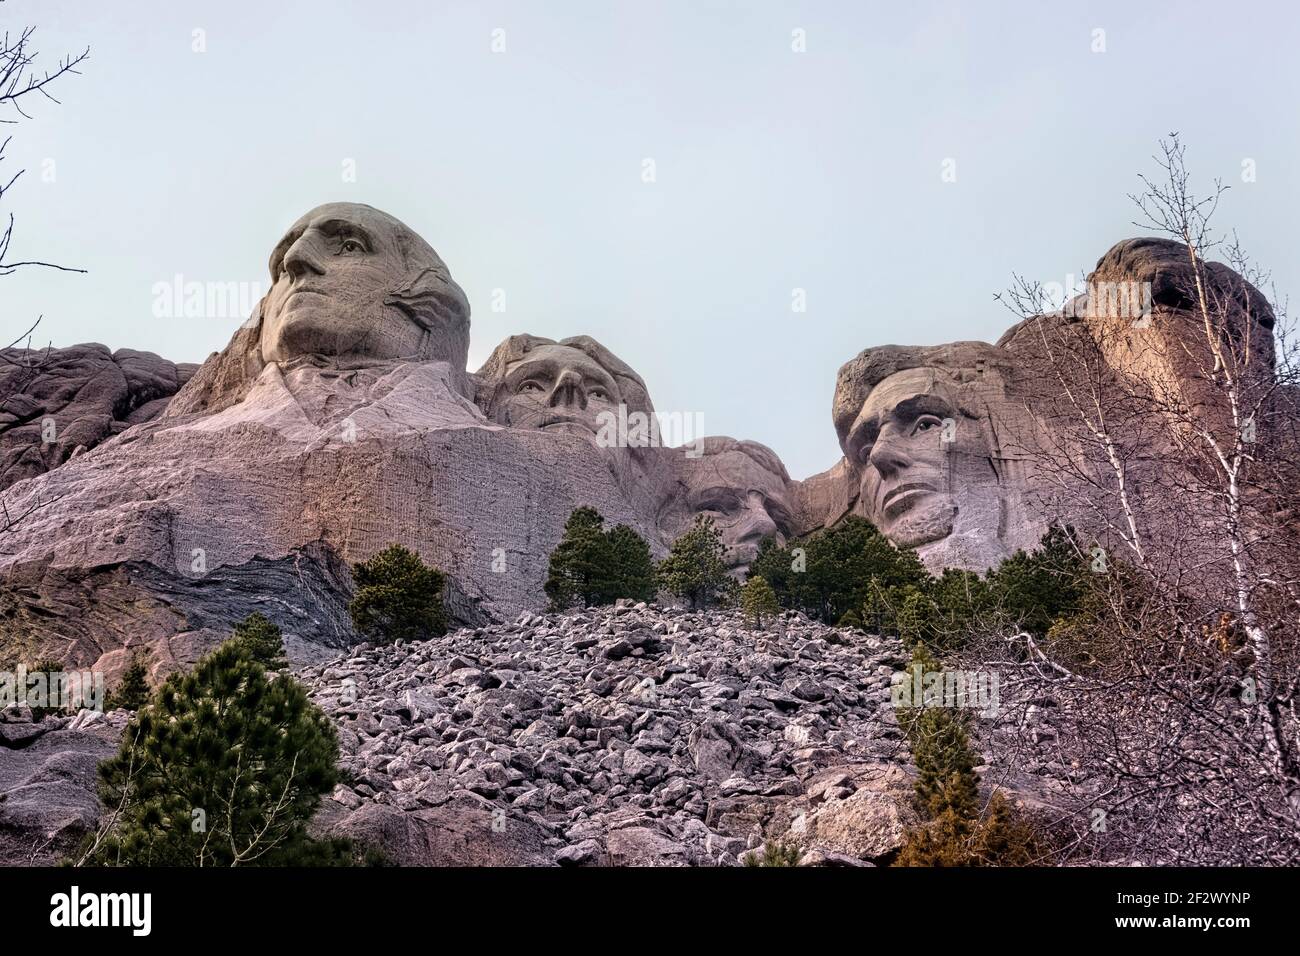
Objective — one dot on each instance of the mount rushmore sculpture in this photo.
(341, 418)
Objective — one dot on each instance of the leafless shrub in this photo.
(1170, 437)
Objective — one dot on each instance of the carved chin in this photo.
(928, 522)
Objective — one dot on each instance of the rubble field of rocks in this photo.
(626, 735)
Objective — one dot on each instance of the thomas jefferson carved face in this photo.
(350, 281)
(742, 486)
(557, 388)
(922, 458)
(574, 386)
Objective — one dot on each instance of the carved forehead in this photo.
(734, 468)
(554, 359)
(952, 368)
(906, 392)
(387, 233)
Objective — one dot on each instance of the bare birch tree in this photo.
(1166, 396)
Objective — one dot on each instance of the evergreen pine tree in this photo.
(945, 762)
(832, 572)
(591, 566)
(263, 641)
(398, 597)
(913, 619)
(694, 569)
(580, 567)
(224, 767)
(132, 691)
(1032, 590)
(758, 600)
(633, 567)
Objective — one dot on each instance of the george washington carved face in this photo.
(349, 281)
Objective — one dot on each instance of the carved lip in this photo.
(565, 421)
(902, 497)
(300, 291)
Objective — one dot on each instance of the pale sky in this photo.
(774, 170)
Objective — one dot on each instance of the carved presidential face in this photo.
(746, 500)
(921, 458)
(557, 388)
(351, 281)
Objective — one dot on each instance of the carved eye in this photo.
(529, 387)
(925, 423)
(598, 393)
(351, 245)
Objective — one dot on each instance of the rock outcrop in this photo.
(627, 735)
(339, 420)
(48, 778)
(947, 445)
(58, 403)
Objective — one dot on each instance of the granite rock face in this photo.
(347, 461)
(58, 403)
(351, 286)
(741, 485)
(97, 617)
(340, 420)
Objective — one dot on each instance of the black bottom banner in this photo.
(334, 906)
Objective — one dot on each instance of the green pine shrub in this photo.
(132, 691)
(774, 854)
(592, 566)
(223, 767)
(955, 831)
(263, 640)
(831, 573)
(758, 600)
(398, 597)
(696, 570)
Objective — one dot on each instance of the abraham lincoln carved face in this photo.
(352, 282)
(918, 425)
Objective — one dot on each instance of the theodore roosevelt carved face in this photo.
(741, 485)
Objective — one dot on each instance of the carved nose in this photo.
(887, 458)
(568, 390)
(303, 258)
(757, 523)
